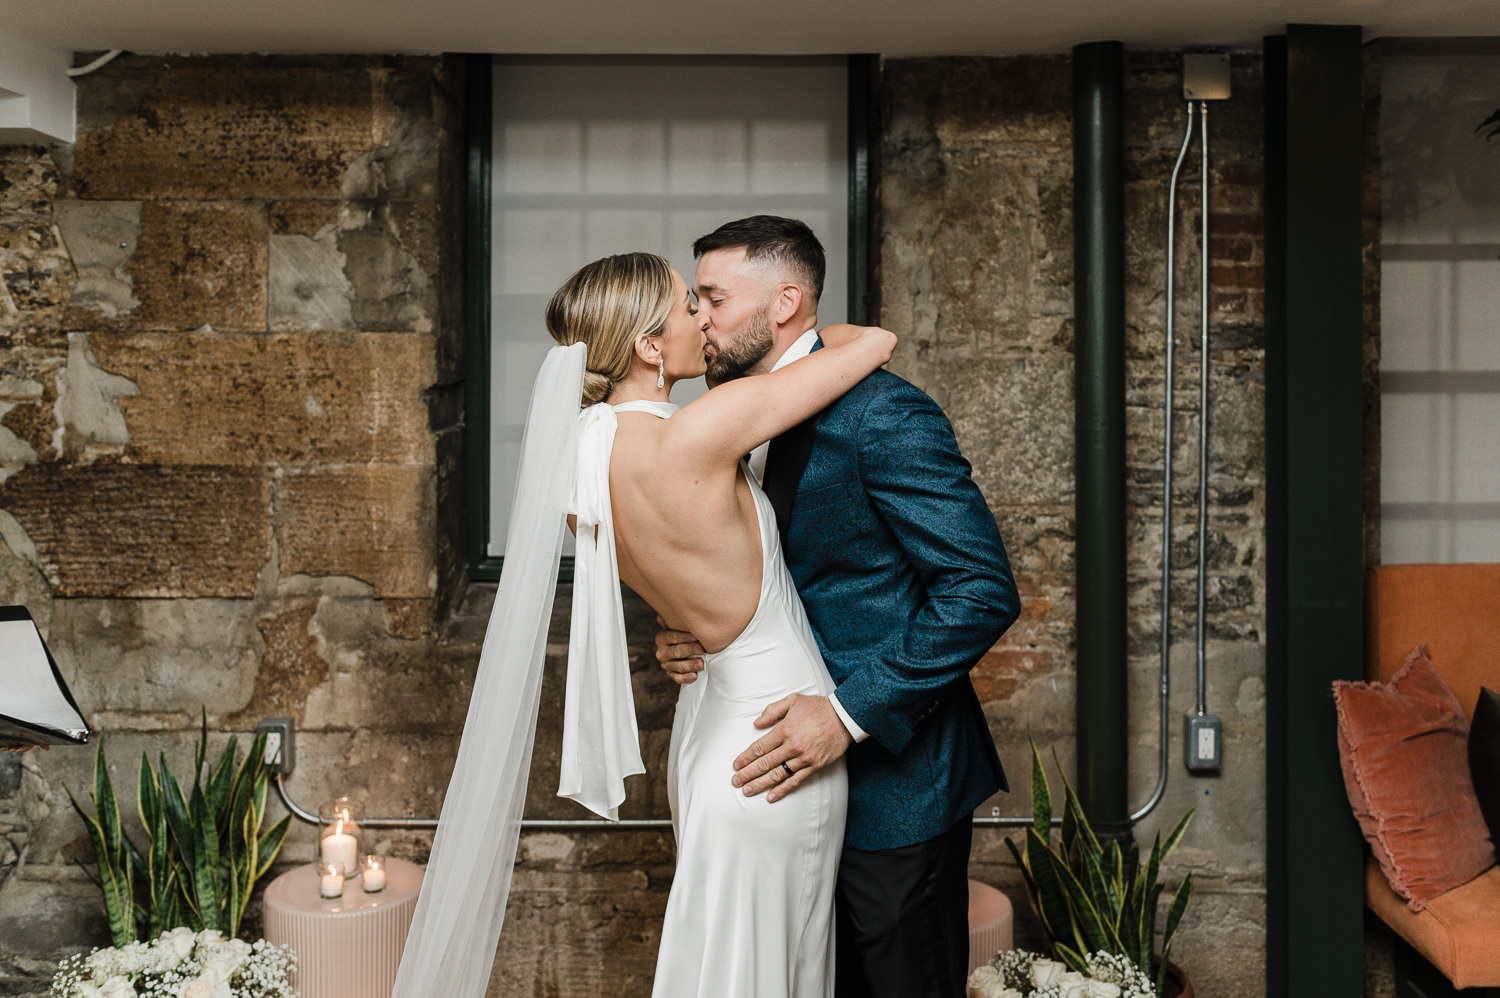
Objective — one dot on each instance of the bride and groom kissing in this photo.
(822, 600)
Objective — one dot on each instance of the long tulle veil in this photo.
(451, 946)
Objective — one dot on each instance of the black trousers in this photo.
(903, 919)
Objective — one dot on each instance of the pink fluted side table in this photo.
(350, 946)
(991, 923)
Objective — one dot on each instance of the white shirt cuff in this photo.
(855, 731)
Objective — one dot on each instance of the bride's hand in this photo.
(842, 332)
(679, 653)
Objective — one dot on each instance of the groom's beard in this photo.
(734, 359)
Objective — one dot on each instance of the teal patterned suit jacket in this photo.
(906, 582)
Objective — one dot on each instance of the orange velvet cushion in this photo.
(1451, 609)
(1404, 749)
(1459, 933)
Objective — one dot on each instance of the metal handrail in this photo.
(574, 824)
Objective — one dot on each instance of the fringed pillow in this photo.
(1404, 749)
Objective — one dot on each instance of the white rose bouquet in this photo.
(179, 964)
(1016, 973)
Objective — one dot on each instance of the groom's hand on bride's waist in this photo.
(679, 653)
(806, 735)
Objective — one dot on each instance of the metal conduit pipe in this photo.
(1165, 685)
(98, 63)
(1203, 366)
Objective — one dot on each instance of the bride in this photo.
(664, 505)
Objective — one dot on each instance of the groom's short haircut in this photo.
(773, 239)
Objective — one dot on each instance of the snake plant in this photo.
(204, 849)
(1092, 897)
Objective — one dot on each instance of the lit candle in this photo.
(340, 849)
(330, 880)
(374, 874)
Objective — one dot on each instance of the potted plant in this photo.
(204, 849)
(1094, 898)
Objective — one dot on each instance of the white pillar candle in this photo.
(331, 885)
(341, 850)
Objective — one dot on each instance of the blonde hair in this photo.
(606, 305)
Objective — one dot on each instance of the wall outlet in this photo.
(1204, 742)
(280, 754)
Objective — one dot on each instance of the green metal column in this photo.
(1099, 428)
(1314, 559)
(864, 131)
(478, 118)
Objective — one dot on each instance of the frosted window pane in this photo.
(536, 249)
(516, 360)
(707, 157)
(789, 157)
(1477, 287)
(608, 232)
(686, 224)
(1407, 541)
(1411, 313)
(1437, 181)
(625, 157)
(1477, 446)
(1414, 441)
(646, 154)
(540, 157)
(1477, 540)
(1440, 226)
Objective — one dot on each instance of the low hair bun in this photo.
(595, 388)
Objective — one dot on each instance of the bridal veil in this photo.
(451, 946)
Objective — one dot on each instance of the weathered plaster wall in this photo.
(228, 363)
(976, 261)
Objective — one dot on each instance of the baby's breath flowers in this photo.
(179, 964)
(1015, 973)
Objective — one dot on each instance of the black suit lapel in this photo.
(785, 462)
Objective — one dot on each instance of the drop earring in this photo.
(661, 374)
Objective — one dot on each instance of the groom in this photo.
(906, 584)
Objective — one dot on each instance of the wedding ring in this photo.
(787, 768)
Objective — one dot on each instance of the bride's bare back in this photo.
(686, 530)
(688, 538)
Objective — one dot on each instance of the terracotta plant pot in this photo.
(1177, 976)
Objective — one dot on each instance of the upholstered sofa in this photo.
(1455, 611)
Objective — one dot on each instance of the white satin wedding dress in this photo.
(750, 914)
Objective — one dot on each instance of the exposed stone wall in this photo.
(977, 272)
(229, 349)
(229, 384)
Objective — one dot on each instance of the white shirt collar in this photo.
(801, 347)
